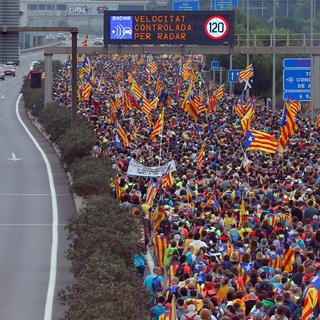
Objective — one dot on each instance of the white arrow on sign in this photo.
(290, 80)
(14, 157)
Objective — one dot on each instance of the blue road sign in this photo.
(297, 79)
(191, 5)
(233, 75)
(121, 27)
(218, 5)
(294, 95)
(215, 65)
(297, 63)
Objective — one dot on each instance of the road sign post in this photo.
(233, 75)
(297, 79)
(185, 5)
(215, 65)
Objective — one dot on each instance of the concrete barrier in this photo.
(40, 48)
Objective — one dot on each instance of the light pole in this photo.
(311, 22)
(248, 30)
(274, 59)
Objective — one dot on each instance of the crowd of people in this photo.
(229, 241)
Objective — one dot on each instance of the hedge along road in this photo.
(34, 210)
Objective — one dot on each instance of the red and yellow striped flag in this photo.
(158, 127)
(157, 217)
(246, 74)
(193, 109)
(159, 85)
(160, 245)
(146, 106)
(318, 122)
(123, 135)
(152, 66)
(246, 120)
(201, 156)
(288, 127)
(135, 88)
(185, 102)
(219, 92)
(295, 107)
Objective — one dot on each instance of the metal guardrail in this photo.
(40, 47)
(279, 40)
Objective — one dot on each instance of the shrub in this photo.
(55, 120)
(103, 240)
(91, 176)
(77, 142)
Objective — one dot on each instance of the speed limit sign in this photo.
(216, 27)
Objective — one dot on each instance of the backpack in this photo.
(156, 284)
(180, 272)
(189, 258)
(234, 235)
(190, 318)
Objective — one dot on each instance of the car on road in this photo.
(9, 70)
(98, 42)
(14, 62)
(61, 37)
(2, 76)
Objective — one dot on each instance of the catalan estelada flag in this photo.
(311, 298)
(318, 122)
(157, 217)
(260, 141)
(135, 88)
(274, 260)
(123, 136)
(190, 193)
(246, 74)
(239, 107)
(288, 255)
(86, 65)
(158, 127)
(288, 127)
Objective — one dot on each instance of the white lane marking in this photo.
(29, 225)
(54, 246)
(14, 157)
(31, 194)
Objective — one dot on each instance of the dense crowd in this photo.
(212, 263)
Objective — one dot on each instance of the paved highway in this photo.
(32, 267)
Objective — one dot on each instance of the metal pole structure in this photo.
(220, 76)
(311, 22)
(230, 67)
(287, 8)
(315, 78)
(274, 59)
(74, 78)
(248, 30)
(47, 79)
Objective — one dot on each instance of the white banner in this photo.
(137, 169)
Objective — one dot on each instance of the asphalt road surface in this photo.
(32, 236)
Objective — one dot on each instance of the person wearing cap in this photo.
(191, 313)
